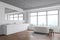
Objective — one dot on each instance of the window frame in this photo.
(11, 17)
(8, 16)
(52, 14)
(20, 16)
(33, 16)
(47, 16)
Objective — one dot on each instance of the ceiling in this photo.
(31, 4)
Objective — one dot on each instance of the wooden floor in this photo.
(29, 35)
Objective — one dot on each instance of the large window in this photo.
(33, 18)
(44, 18)
(11, 17)
(41, 18)
(20, 16)
(15, 17)
(52, 17)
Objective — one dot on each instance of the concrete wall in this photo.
(26, 17)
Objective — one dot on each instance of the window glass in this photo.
(53, 20)
(33, 14)
(33, 20)
(15, 18)
(20, 15)
(41, 13)
(41, 20)
(53, 12)
(15, 15)
(11, 16)
(20, 18)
